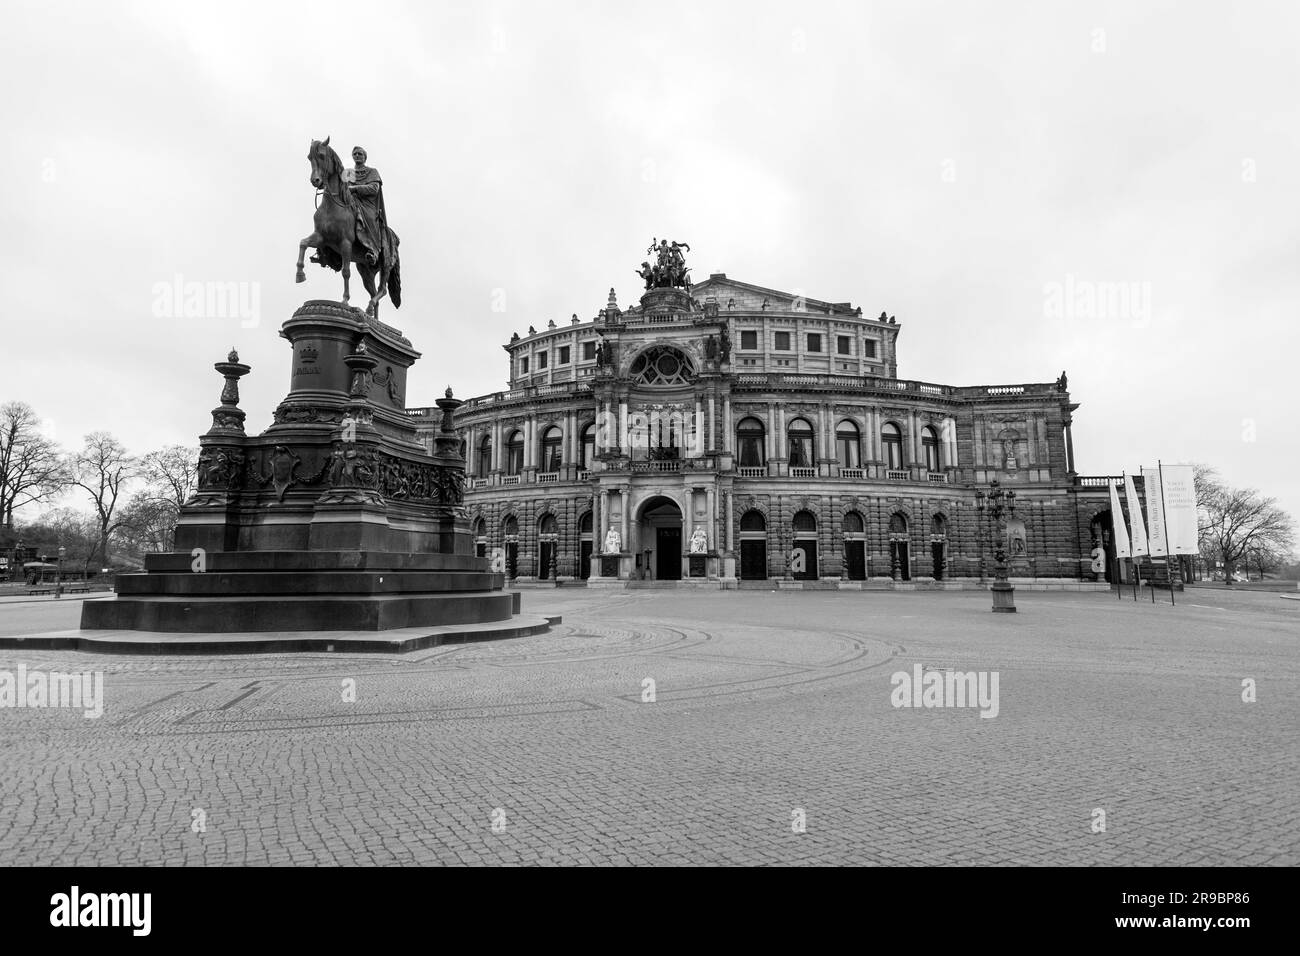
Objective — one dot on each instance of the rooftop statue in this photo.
(666, 268)
(351, 225)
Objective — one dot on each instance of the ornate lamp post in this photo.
(58, 585)
(997, 503)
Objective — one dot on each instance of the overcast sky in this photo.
(977, 170)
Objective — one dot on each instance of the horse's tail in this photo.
(395, 277)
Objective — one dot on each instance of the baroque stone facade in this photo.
(738, 433)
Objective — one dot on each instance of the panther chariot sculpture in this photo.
(351, 226)
(669, 269)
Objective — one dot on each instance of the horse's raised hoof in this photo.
(300, 276)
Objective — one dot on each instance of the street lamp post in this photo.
(58, 585)
(997, 503)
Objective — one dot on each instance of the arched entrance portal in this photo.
(1103, 547)
(659, 535)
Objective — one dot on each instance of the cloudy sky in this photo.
(1107, 188)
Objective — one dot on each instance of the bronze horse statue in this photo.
(335, 236)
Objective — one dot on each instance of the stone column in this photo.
(623, 497)
(726, 506)
(726, 424)
(709, 441)
(771, 431)
(602, 519)
(711, 517)
(1069, 446)
(781, 450)
(697, 428)
(622, 427)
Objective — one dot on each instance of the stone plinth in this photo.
(336, 518)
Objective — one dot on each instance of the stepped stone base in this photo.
(341, 642)
(279, 591)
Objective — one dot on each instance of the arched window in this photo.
(464, 447)
(548, 525)
(515, 453)
(804, 522)
(898, 523)
(585, 525)
(930, 447)
(753, 521)
(587, 452)
(848, 445)
(485, 456)
(891, 439)
(661, 365)
(510, 526)
(853, 523)
(938, 525)
(552, 448)
(750, 440)
(480, 528)
(800, 436)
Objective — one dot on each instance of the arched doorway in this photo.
(659, 534)
(753, 546)
(510, 536)
(480, 537)
(803, 558)
(855, 546)
(585, 546)
(1103, 546)
(939, 546)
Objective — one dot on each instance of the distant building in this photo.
(739, 433)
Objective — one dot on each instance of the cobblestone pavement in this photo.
(768, 706)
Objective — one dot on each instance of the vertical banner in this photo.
(1139, 529)
(1180, 508)
(1155, 512)
(1118, 534)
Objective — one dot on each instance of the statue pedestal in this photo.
(336, 518)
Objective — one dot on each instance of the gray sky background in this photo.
(945, 162)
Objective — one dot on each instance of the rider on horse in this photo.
(367, 190)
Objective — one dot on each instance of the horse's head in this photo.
(324, 161)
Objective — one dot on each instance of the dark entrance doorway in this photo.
(855, 546)
(585, 546)
(937, 549)
(659, 538)
(753, 546)
(855, 553)
(668, 554)
(753, 560)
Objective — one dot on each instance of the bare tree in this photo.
(149, 518)
(1239, 522)
(171, 474)
(102, 469)
(31, 465)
